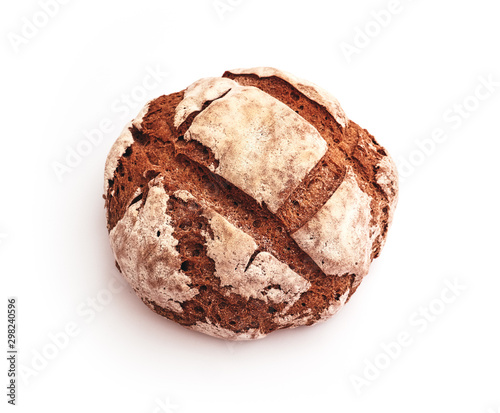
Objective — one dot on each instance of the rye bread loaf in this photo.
(247, 203)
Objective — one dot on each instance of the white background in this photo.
(406, 81)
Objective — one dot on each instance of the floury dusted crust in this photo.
(157, 272)
(247, 203)
(239, 132)
(336, 238)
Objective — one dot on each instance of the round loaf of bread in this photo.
(247, 203)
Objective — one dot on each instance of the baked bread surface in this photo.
(247, 203)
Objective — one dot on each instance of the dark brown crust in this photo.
(160, 149)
